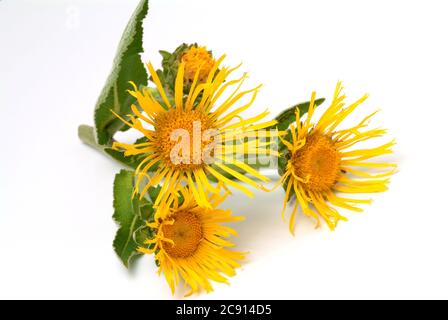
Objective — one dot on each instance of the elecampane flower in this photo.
(323, 164)
(193, 114)
(191, 244)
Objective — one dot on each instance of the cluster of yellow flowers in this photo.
(190, 240)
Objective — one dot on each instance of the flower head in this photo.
(187, 137)
(197, 58)
(190, 244)
(322, 163)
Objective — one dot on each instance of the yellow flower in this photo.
(197, 58)
(323, 163)
(190, 244)
(209, 124)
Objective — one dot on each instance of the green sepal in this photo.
(128, 66)
(170, 64)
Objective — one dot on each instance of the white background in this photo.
(56, 228)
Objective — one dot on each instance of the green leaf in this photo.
(165, 54)
(127, 67)
(153, 193)
(87, 135)
(127, 215)
(288, 116)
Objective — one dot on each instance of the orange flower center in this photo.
(318, 162)
(185, 232)
(181, 138)
(195, 58)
